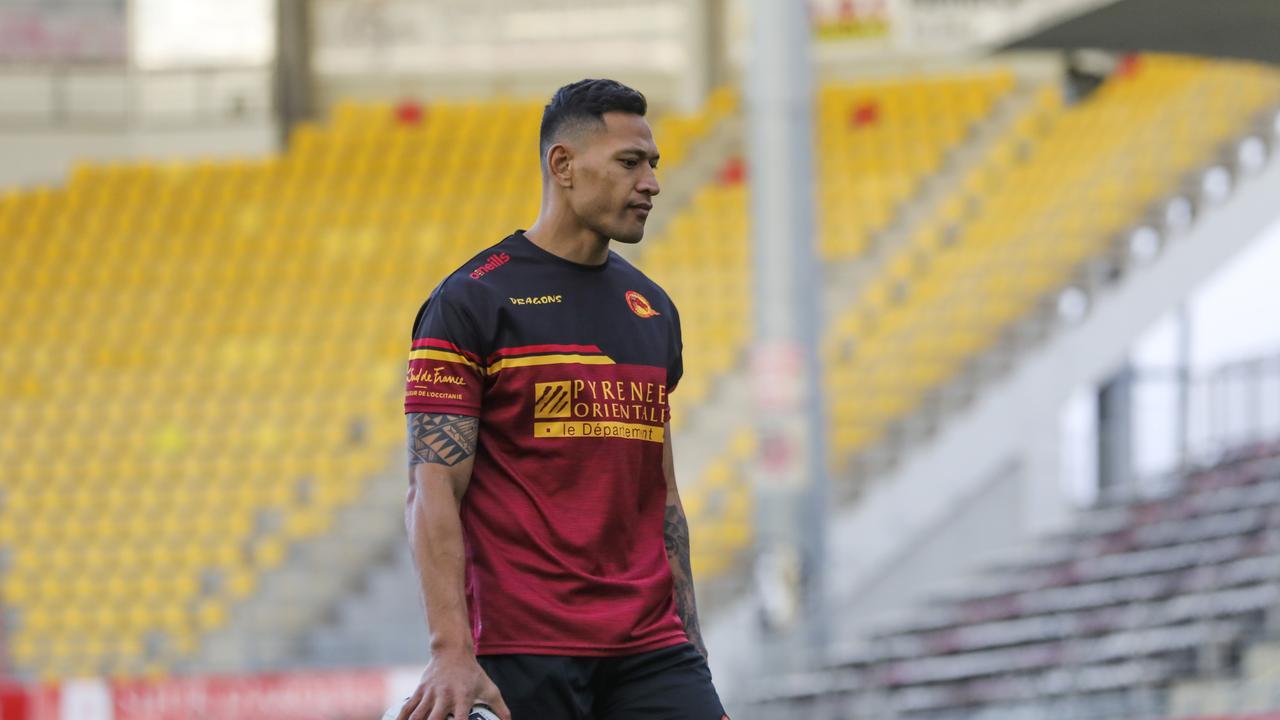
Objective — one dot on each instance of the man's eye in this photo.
(630, 163)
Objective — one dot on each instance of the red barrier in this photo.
(320, 695)
(1254, 716)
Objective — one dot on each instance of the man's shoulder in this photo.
(460, 284)
(630, 271)
(641, 280)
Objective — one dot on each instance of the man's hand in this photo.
(450, 685)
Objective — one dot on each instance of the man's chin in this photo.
(630, 237)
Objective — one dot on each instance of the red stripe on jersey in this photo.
(531, 349)
(444, 345)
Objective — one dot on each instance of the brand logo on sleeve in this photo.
(495, 261)
(640, 305)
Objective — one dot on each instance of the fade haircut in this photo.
(584, 103)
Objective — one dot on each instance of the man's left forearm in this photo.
(676, 531)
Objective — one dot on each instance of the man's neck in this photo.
(570, 241)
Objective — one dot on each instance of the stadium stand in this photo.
(1022, 226)
(1095, 622)
(878, 141)
(244, 327)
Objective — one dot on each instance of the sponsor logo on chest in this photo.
(632, 410)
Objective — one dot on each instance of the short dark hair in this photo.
(586, 101)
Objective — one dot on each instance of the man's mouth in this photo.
(642, 208)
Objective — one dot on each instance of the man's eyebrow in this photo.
(638, 151)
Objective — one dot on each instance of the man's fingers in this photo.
(439, 710)
(427, 708)
(491, 696)
(461, 710)
(410, 703)
(499, 707)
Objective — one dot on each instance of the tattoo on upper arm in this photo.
(676, 534)
(441, 439)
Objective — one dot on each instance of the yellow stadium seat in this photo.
(1048, 197)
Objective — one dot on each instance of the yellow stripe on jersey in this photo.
(431, 354)
(566, 359)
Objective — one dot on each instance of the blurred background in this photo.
(981, 407)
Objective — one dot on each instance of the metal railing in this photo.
(1233, 406)
(1187, 420)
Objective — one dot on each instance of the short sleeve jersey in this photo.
(568, 368)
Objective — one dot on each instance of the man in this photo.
(542, 511)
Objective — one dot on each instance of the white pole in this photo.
(790, 473)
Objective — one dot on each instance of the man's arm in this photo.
(441, 455)
(676, 532)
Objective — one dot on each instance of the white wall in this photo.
(51, 117)
(1233, 312)
(44, 157)
(1227, 312)
(449, 49)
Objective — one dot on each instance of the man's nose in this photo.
(649, 184)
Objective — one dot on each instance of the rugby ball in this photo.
(478, 712)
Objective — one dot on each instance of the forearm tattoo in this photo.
(441, 439)
(676, 532)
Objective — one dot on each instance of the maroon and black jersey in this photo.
(568, 367)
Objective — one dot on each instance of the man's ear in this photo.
(560, 165)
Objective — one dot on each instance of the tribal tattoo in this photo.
(441, 439)
(676, 532)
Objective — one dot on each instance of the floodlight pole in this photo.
(790, 471)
